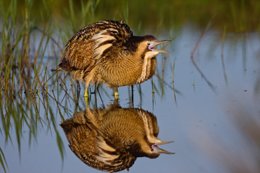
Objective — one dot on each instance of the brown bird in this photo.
(108, 52)
(111, 139)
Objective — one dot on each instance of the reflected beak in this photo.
(159, 150)
(164, 142)
(163, 151)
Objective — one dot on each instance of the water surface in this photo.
(210, 125)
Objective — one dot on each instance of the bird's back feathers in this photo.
(88, 46)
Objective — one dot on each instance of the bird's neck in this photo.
(148, 69)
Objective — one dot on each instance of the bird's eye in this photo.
(149, 46)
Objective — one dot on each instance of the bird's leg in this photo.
(132, 96)
(95, 94)
(78, 89)
(77, 94)
(116, 95)
(86, 96)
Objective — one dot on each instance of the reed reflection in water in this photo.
(112, 138)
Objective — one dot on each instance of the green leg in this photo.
(86, 96)
(116, 95)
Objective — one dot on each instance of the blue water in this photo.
(200, 121)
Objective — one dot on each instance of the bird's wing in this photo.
(87, 47)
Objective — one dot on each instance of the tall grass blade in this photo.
(3, 162)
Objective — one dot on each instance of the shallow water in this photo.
(209, 126)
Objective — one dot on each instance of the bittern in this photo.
(111, 139)
(108, 52)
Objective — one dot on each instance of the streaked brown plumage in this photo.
(108, 52)
(111, 139)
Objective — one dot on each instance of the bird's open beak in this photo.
(159, 150)
(154, 46)
(164, 142)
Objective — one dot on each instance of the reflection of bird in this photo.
(111, 139)
(107, 52)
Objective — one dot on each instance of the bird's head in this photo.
(147, 46)
(148, 143)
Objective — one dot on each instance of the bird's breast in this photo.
(124, 72)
